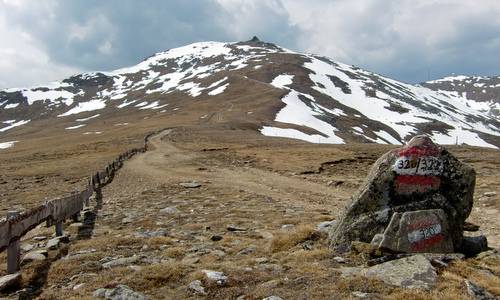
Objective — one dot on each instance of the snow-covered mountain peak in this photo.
(314, 98)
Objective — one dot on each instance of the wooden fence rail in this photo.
(56, 211)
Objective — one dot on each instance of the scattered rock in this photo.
(414, 272)
(489, 194)
(135, 268)
(169, 210)
(478, 293)
(235, 228)
(262, 260)
(76, 225)
(120, 262)
(10, 281)
(339, 260)
(78, 286)
(33, 256)
(27, 247)
(266, 235)
(196, 287)
(190, 185)
(191, 260)
(120, 292)
(416, 231)
(471, 227)
(39, 238)
(216, 238)
(473, 245)
(272, 298)
(218, 277)
(127, 220)
(247, 250)
(419, 176)
(287, 227)
(54, 243)
(360, 295)
(326, 226)
(218, 253)
(149, 234)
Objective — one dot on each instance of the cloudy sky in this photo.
(45, 40)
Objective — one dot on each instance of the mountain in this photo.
(261, 86)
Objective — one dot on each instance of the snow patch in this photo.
(14, 124)
(13, 105)
(85, 106)
(89, 118)
(6, 145)
(75, 127)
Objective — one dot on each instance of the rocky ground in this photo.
(228, 214)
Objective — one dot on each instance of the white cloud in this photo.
(389, 36)
(23, 60)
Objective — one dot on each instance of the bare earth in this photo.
(253, 218)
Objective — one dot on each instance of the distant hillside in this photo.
(267, 88)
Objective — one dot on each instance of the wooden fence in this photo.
(56, 211)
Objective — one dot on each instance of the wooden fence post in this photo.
(59, 229)
(13, 250)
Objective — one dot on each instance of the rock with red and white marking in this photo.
(423, 231)
(417, 177)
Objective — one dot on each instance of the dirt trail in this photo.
(165, 163)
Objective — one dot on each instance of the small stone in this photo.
(471, 227)
(325, 226)
(120, 262)
(339, 260)
(266, 235)
(190, 260)
(478, 293)
(33, 256)
(473, 245)
(271, 284)
(169, 210)
(262, 260)
(248, 250)
(120, 292)
(10, 281)
(39, 238)
(235, 228)
(218, 277)
(54, 243)
(272, 298)
(360, 295)
(127, 220)
(489, 194)
(76, 225)
(216, 238)
(196, 287)
(287, 227)
(135, 268)
(218, 253)
(27, 247)
(78, 286)
(190, 185)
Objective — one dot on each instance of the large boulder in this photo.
(420, 176)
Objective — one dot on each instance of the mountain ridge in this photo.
(277, 91)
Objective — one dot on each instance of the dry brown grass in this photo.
(286, 240)
(153, 276)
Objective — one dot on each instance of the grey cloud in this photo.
(401, 39)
